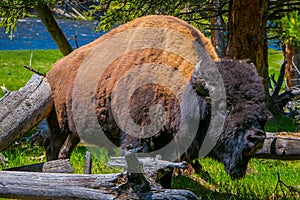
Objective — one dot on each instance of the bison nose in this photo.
(255, 138)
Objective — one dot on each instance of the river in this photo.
(32, 34)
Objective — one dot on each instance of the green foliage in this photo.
(275, 60)
(12, 10)
(286, 29)
(115, 12)
(291, 26)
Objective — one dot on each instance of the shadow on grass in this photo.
(202, 191)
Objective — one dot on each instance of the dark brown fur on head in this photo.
(243, 131)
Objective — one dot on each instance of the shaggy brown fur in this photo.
(61, 77)
(243, 131)
(242, 134)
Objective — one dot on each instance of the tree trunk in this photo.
(293, 66)
(55, 31)
(247, 35)
(217, 32)
(23, 109)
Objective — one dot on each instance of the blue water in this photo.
(32, 34)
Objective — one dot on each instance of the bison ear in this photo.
(198, 83)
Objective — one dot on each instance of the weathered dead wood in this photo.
(54, 166)
(281, 146)
(29, 185)
(149, 165)
(88, 163)
(57, 186)
(160, 171)
(23, 109)
(126, 185)
(34, 70)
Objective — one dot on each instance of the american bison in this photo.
(243, 129)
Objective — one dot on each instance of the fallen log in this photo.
(23, 109)
(280, 146)
(161, 171)
(126, 185)
(54, 166)
(149, 164)
(34, 185)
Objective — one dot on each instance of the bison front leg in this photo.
(68, 146)
(56, 138)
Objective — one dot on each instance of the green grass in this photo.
(22, 153)
(99, 158)
(281, 124)
(275, 60)
(260, 180)
(259, 183)
(12, 73)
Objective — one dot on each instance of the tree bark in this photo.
(88, 163)
(23, 109)
(30, 185)
(293, 66)
(247, 35)
(55, 31)
(280, 146)
(217, 32)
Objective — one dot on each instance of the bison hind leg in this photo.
(56, 138)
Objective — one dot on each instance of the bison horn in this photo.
(198, 83)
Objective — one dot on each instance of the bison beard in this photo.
(243, 131)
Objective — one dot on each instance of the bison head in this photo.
(243, 131)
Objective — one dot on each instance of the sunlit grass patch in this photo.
(259, 183)
(12, 73)
(99, 158)
(275, 60)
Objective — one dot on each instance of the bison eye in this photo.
(229, 107)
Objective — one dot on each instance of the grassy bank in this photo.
(12, 73)
(259, 183)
